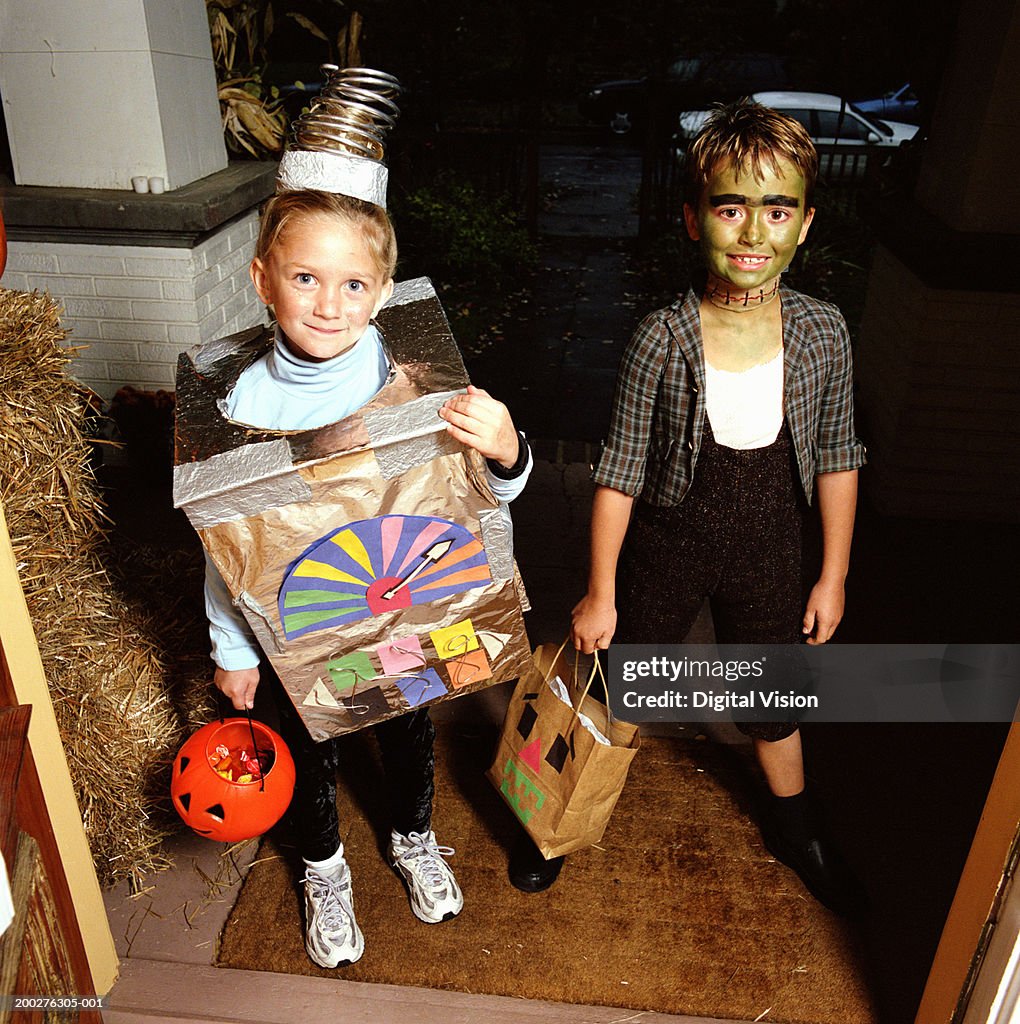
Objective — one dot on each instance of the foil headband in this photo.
(339, 144)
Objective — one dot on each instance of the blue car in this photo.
(899, 105)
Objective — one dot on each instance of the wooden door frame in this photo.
(976, 907)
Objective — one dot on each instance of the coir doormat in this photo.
(679, 909)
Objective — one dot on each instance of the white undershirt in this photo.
(745, 408)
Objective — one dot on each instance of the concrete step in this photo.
(156, 992)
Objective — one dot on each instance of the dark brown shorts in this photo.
(736, 540)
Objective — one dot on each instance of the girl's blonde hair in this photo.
(372, 221)
(746, 135)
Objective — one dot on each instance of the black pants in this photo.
(735, 539)
(408, 757)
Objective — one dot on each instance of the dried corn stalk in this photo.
(251, 122)
(253, 118)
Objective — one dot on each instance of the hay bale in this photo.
(100, 645)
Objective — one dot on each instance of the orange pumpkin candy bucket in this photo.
(232, 780)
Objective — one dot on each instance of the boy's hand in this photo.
(824, 611)
(593, 624)
(238, 685)
(479, 421)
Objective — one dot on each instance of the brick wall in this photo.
(939, 378)
(133, 309)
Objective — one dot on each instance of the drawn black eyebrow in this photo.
(731, 199)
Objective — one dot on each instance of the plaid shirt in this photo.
(659, 407)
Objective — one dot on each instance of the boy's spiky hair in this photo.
(748, 135)
(372, 220)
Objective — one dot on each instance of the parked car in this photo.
(901, 104)
(684, 83)
(843, 133)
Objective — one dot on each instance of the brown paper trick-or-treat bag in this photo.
(562, 759)
(369, 556)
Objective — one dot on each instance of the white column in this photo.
(98, 91)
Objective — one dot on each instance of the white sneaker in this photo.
(433, 891)
(332, 936)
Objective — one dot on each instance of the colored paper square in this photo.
(403, 655)
(557, 756)
(529, 716)
(452, 641)
(366, 705)
(351, 669)
(469, 668)
(422, 687)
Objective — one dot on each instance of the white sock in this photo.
(330, 864)
(394, 834)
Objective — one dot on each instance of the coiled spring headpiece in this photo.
(339, 144)
(352, 114)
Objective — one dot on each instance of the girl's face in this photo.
(749, 230)
(323, 284)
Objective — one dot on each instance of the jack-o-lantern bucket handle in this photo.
(255, 749)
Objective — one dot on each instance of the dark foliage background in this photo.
(483, 77)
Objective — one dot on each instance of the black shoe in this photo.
(529, 871)
(820, 866)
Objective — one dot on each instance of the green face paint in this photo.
(748, 229)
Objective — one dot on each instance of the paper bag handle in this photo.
(595, 669)
(551, 670)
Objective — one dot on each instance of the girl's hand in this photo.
(824, 611)
(479, 421)
(238, 685)
(593, 624)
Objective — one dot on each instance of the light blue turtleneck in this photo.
(284, 392)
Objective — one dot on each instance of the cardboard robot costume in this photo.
(369, 556)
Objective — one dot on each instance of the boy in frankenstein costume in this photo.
(733, 414)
